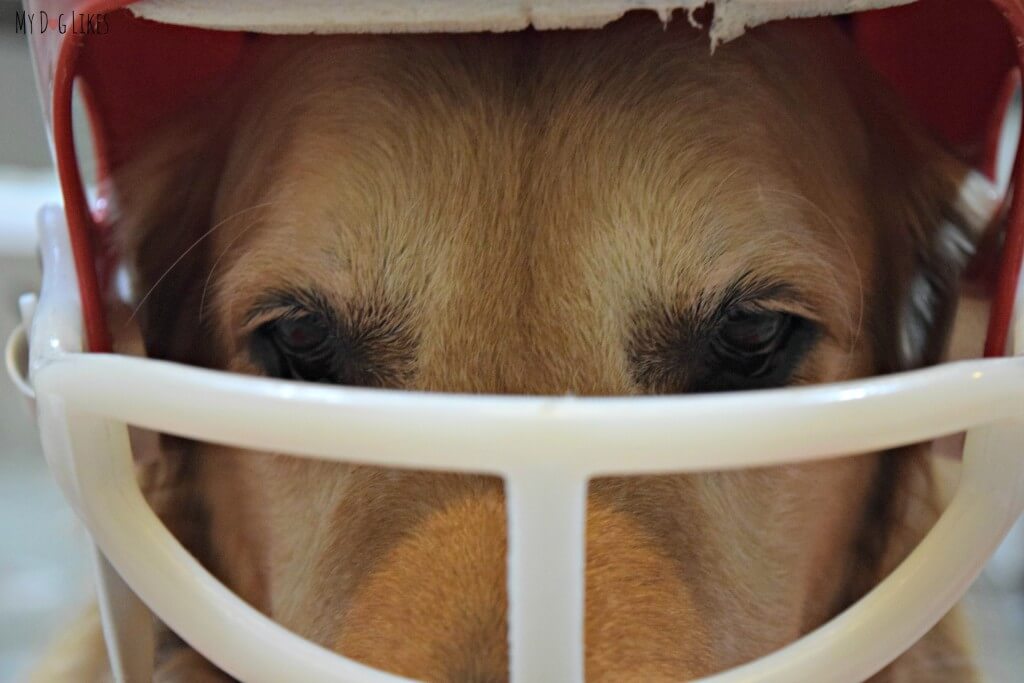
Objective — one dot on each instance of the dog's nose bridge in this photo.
(504, 366)
(434, 605)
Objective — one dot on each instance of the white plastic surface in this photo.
(546, 449)
(731, 18)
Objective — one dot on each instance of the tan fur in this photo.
(515, 201)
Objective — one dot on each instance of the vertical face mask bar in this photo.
(546, 563)
(127, 624)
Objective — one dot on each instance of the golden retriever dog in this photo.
(610, 212)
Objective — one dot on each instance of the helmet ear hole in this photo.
(85, 137)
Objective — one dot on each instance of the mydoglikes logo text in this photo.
(78, 23)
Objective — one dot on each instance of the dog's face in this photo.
(595, 213)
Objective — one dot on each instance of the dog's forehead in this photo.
(594, 228)
(412, 176)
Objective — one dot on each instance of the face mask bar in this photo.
(545, 448)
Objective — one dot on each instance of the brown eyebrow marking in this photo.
(372, 343)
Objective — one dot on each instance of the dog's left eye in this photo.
(753, 333)
(741, 345)
(758, 347)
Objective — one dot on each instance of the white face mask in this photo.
(546, 449)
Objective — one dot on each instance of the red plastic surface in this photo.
(1012, 251)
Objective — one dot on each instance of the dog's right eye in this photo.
(300, 336)
(295, 348)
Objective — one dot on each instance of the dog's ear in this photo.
(929, 209)
(164, 198)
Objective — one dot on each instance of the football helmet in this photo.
(144, 59)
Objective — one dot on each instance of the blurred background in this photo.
(44, 565)
(44, 555)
